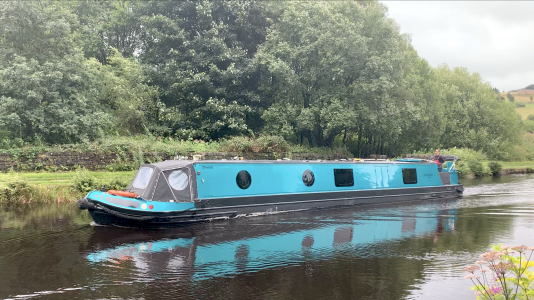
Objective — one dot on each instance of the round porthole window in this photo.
(308, 178)
(178, 180)
(243, 179)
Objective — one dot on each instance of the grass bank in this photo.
(22, 188)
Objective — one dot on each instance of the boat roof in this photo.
(169, 163)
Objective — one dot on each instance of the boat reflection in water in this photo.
(251, 244)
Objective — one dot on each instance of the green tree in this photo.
(200, 53)
(475, 119)
(47, 87)
(510, 97)
(134, 104)
(332, 67)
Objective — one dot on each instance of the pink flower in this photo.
(496, 289)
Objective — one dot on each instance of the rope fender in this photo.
(83, 203)
(125, 216)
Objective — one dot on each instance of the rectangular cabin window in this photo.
(343, 177)
(409, 176)
(143, 177)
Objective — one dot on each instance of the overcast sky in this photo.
(492, 38)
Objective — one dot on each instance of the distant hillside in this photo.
(524, 106)
(529, 90)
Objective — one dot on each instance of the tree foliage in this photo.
(317, 73)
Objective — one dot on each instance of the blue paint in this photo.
(157, 206)
(221, 258)
(218, 180)
(454, 178)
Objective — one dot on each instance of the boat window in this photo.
(308, 178)
(243, 179)
(409, 176)
(178, 180)
(143, 177)
(343, 177)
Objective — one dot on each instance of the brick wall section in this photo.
(98, 161)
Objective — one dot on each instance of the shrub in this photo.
(263, 144)
(17, 190)
(272, 143)
(115, 185)
(477, 168)
(495, 168)
(84, 182)
(463, 169)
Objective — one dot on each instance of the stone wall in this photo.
(52, 161)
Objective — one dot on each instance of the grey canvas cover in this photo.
(450, 157)
(167, 181)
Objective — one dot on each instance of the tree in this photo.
(134, 104)
(332, 67)
(200, 55)
(475, 119)
(47, 88)
(510, 97)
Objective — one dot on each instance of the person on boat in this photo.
(438, 160)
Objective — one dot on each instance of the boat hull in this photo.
(209, 209)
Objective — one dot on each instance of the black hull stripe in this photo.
(324, 200)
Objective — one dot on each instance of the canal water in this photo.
(400, 251)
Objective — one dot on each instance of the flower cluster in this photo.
(503, 273)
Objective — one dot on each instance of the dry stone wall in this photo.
(52, 161)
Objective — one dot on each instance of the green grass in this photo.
(516, 164)
(63, 179)
(525, 111)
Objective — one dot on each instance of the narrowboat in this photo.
(180, 191)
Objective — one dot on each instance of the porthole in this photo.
(308, 178)
(243, 179)
(178, 180)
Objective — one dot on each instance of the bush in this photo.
(17, 190)
(116, 185)
(477, 168)
(463, 169)
(495, 168)
(263, 144)
(84, 181)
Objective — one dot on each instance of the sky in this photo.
(492, 38)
